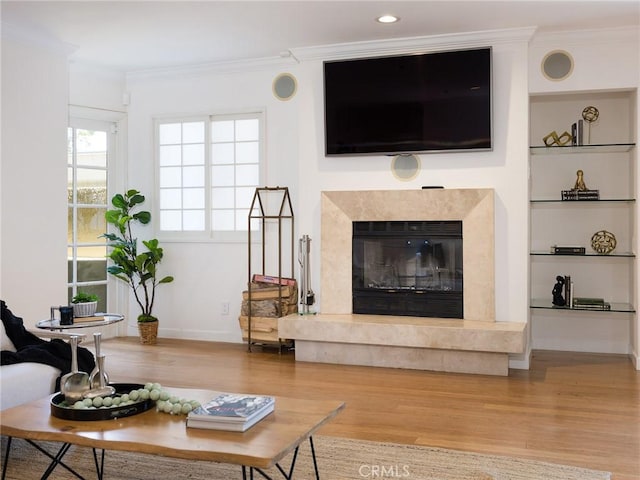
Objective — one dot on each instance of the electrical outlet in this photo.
(225, 308)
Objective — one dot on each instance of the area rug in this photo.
(338, 459)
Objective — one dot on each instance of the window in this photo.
(182, 176)
(87, 163)
(208, 170)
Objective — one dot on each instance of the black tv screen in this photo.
(408, 104)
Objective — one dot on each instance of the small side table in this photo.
(54, 323)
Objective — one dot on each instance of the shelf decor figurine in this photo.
(603, 242)
(580, 190)
(553, 139)
(580, 185)
(590, 114)
(558, 288)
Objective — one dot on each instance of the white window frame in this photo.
(81, 116)
(208, 234)
(110, 128)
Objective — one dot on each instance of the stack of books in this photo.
(586, 303)
(580, 194)
(231, 411)
(567, 250)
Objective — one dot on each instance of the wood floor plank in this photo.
(571, 408)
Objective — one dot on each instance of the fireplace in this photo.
(474, 208)
(411, 268)
(475, 343)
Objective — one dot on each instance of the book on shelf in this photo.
(568, 291)
(231, 411)
(580, 133)
(569, 195)
(567, 250)
(577, 133)
(588, 303)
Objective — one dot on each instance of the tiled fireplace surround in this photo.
(475, 344)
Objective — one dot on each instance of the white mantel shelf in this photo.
(449, 345)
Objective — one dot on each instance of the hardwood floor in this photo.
(570, 408)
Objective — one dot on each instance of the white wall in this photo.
(208, 274)
(33, 213)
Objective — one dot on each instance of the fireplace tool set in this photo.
(307, 297)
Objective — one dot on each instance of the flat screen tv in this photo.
(437, 101)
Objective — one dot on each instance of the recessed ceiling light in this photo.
(387, 19)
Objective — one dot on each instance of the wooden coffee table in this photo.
(293, 422)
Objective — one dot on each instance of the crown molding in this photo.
(28, 37)
(232, 66)
(598, 36)
(410, 45)
(294, 56)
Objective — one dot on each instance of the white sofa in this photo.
(24, 382)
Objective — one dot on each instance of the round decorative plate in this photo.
(60, 409)
(603, 242)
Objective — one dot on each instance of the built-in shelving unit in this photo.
(609, 164)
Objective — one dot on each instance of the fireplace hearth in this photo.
(411, 268)
(474, 344)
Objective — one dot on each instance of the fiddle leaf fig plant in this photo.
(138, 269)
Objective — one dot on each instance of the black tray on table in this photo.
(60, 410)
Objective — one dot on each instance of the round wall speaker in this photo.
(284, 86)
(405, 167)
(557, 65)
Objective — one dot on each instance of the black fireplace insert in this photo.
(408, 268)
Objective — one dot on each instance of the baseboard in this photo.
(635, 357)
(204, 335)
(521, 361)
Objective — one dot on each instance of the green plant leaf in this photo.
(118, 201)
(135, 199)
(143, 217)
(151, 244)
(167, 279)
(83, 297)
(112, 216)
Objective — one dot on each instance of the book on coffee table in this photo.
(231, 411)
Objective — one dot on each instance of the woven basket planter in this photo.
(86, 309)
(148, 332)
